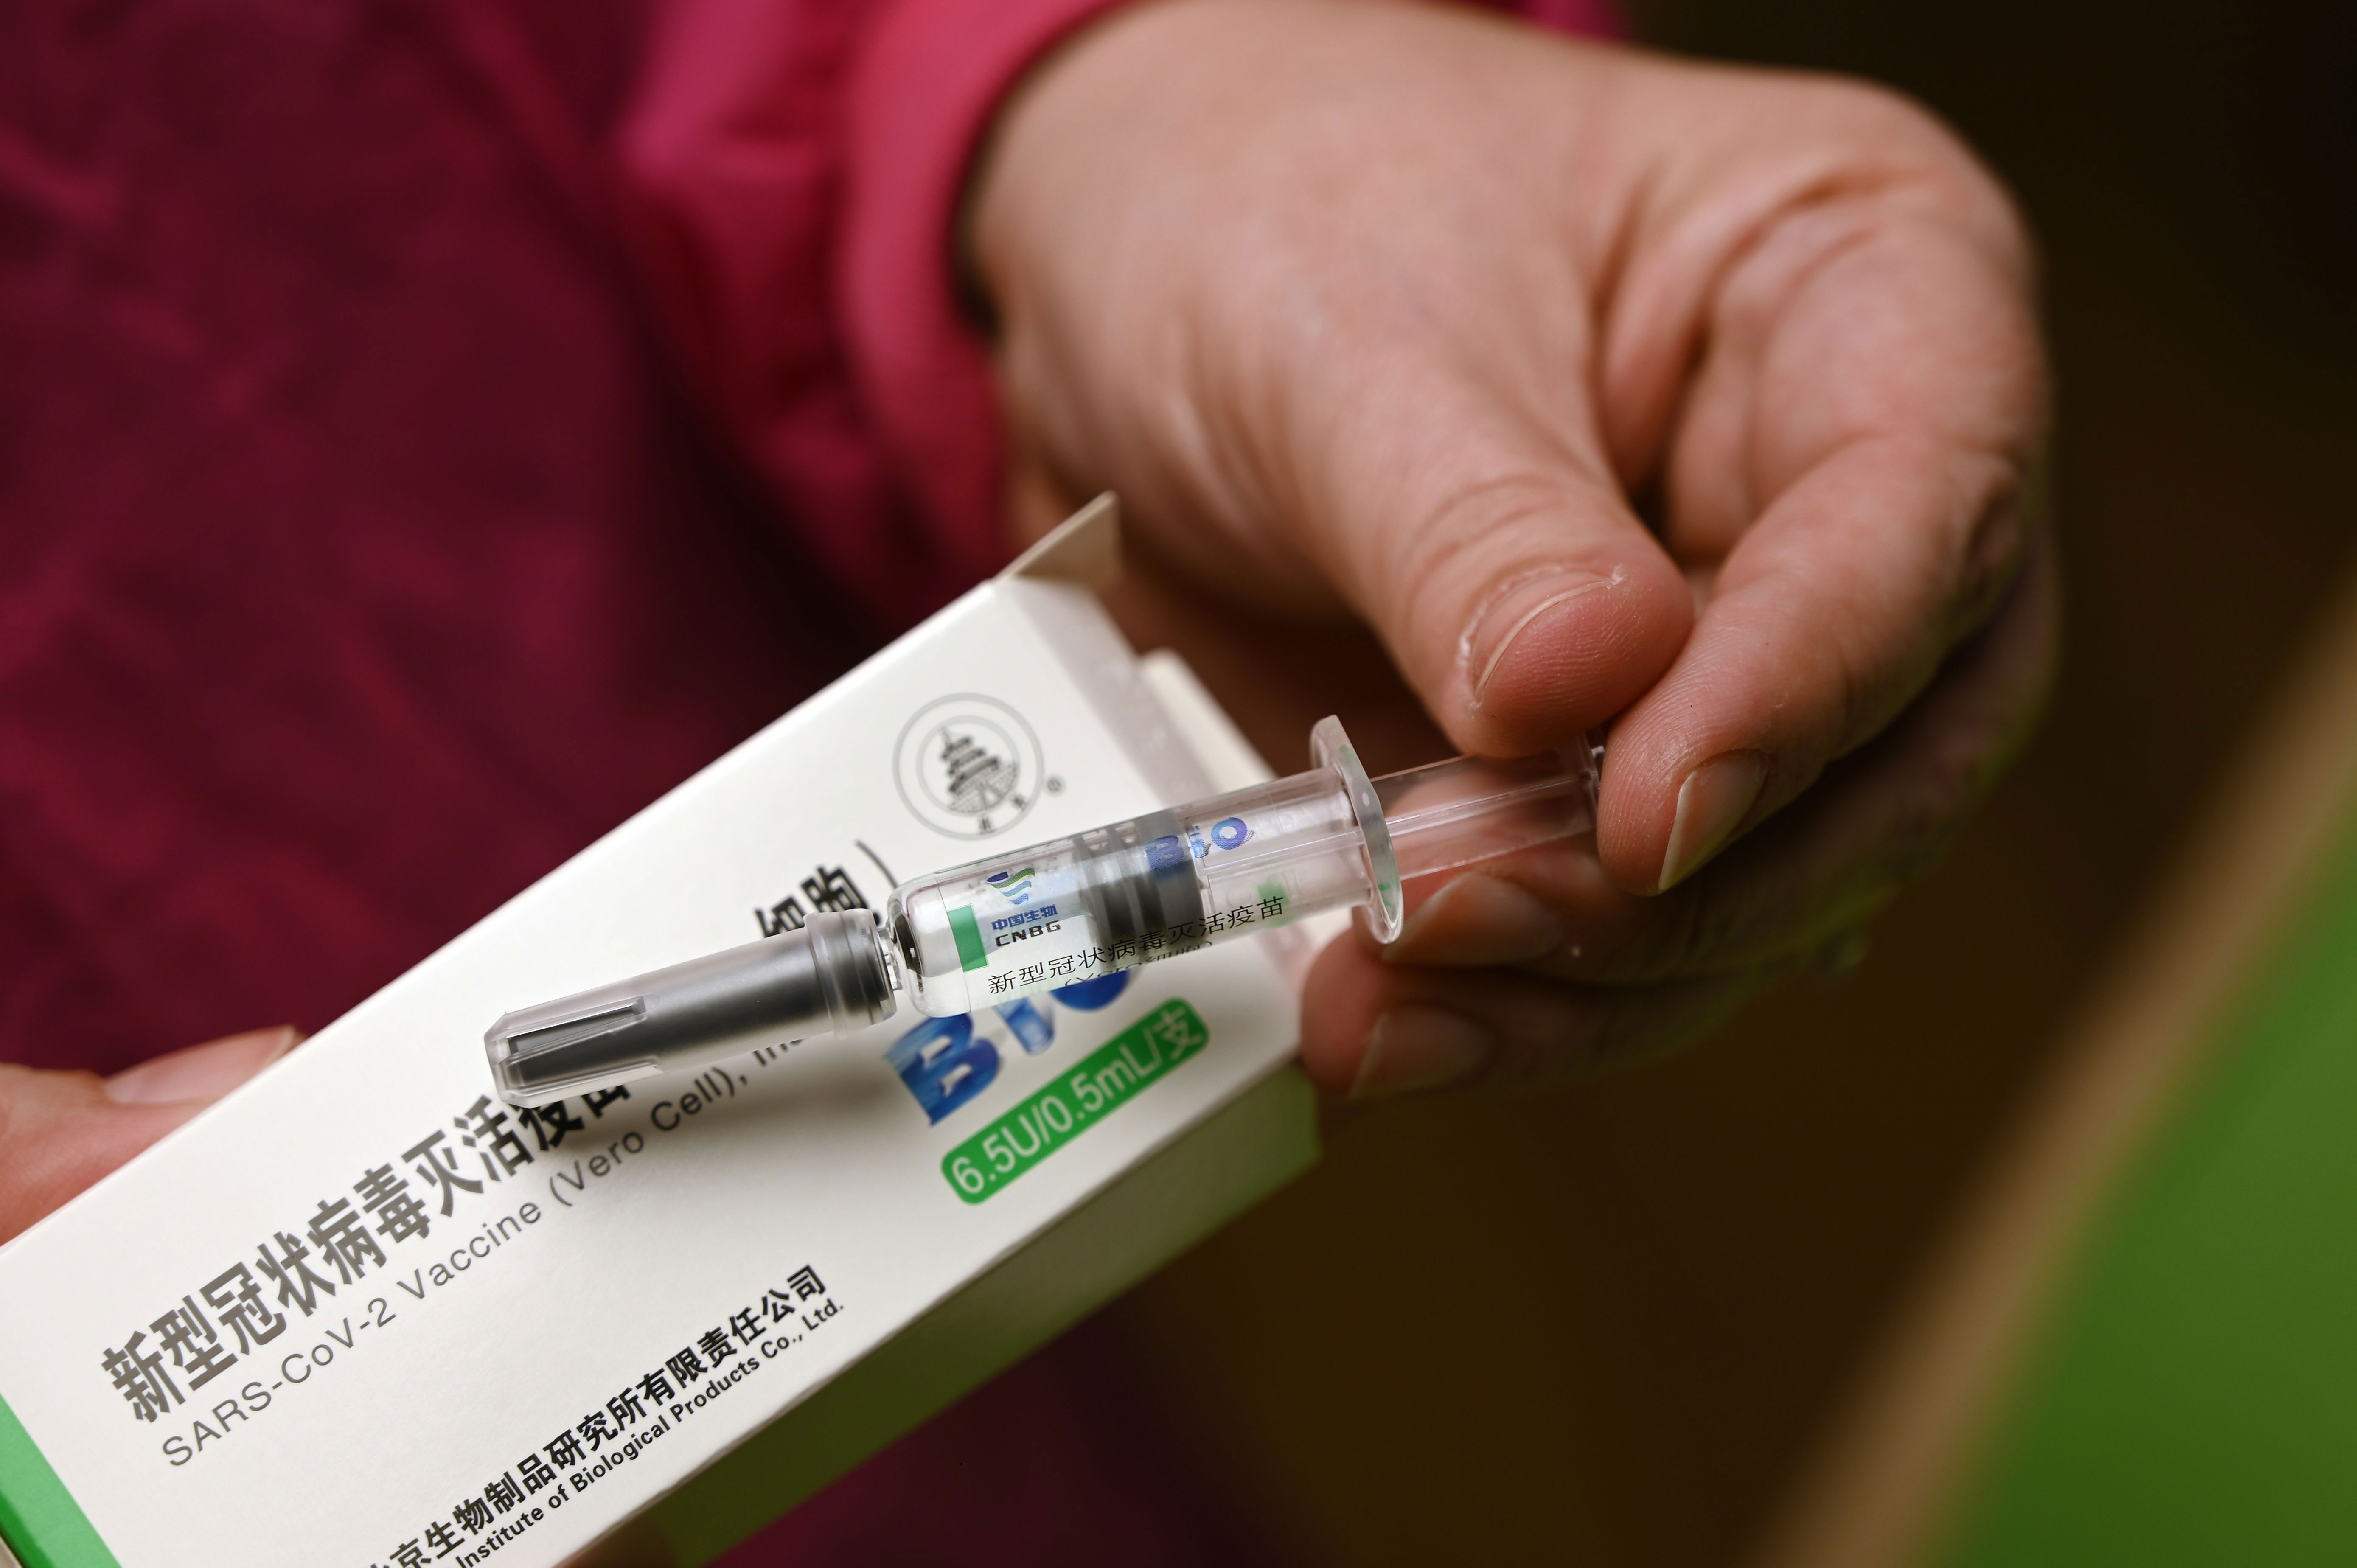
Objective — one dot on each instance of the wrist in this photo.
(1074, 132)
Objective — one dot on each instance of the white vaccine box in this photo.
(360, 1313)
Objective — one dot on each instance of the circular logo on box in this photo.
(968, 766)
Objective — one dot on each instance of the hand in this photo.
(1600, 387)
(59, 1132)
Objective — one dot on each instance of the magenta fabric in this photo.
(792, 183)
(430, 429)
(791, 177)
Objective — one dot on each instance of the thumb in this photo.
(59, 1132)
(203, 1073)
(1500, 565)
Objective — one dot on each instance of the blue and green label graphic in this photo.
(1107, 1080)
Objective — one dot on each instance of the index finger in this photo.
(1862, 429)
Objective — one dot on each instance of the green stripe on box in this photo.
(39, 1518)
(971, 952)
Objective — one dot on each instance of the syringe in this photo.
(1065, 911)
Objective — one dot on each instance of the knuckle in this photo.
(1922, 837)
(1878, 107)
(1862, 686)
(2007, 228)
(1633, 1034)
(1444, 541)
(1928, 814)
(1862, 114)
(1554, 1036)
(1990, 553)
(1469, 546)
(1719, 927)
(1601, 1032)
(1900, 133)
(1704, 925)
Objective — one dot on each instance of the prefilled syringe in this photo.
(1065, 911)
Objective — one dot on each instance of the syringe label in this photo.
(972, 954)
(1017, 918)
(1103, 1081)
(1078, 956)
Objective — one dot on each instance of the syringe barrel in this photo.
(1467, 810)
(1067, 910)
(1113, 897)
(1170, 882)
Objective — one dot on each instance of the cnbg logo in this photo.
(969, 766)
(1015, 887)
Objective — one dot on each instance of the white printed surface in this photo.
(658, 1278)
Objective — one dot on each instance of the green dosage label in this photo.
(1106, 1078)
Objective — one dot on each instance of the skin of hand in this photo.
(59, 1132)
(1586, 384)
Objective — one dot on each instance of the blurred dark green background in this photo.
(1605, 1325)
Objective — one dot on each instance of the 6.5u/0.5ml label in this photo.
(1105, 1079)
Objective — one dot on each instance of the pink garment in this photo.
(795, 179)
(363, 554)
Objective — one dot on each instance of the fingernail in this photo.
(1477, 920)
(201, 1072)
(1510, 613)
(1711, 803)
(1415, 1046)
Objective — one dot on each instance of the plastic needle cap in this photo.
(827, 978)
